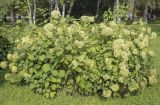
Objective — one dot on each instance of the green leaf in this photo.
(69, 47)
(31, 57)
(69, 57)
(46, 95)
(61, 73)
(46, 84)
(39, 90)
(59, 53)
(58, 80)
(78, 79)
(46, 67)
(55, 73)
(79, 70)
(54, 80)
(52, 94)
(42, 57)
(53, 87)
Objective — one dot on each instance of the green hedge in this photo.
(84, 57)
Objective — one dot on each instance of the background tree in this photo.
(5, 6)
(39, 10)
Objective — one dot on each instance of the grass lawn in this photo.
(22, 95)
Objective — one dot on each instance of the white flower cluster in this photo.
(124, 69)
(83, 35)
(135, 51)
(114, 87)
(51, 50)
(132, 47)
(112, 24)
(102, 25)
(93, 29)
(13, 67)
(121, 49)
(75, 64)
(90, 63)
(121, 79)
(126, 32)
(55, 14)
(149, 30)
(142, 43)
(141, 36)
(79, 44)
(70, 31)
(107, 93)
(107, 31)
(106, 77)
(49, 27)
(81, 58)
(153, 77)
(133, 33)
(60, 30)
(108, 63)
(3, 64)
(87, 19)
(144, 29)
(13, 57)
(143, 55)
(27, 40)
(133, 86)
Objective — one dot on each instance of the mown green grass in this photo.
(22, 95)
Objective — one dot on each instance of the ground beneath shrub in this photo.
(22, 95)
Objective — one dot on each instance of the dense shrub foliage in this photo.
(9, 34)
(8, 37)
(84, 57)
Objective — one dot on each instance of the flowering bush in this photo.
(85, 57)
(8, 36)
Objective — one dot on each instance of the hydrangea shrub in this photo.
(8, 36)
(88, 58)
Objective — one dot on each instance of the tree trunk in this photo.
(133, 8)
(70, 8)
(56, 5)
(34, 11)
(116, 7)
(117, 4)
(124, 3)
(51, 2)
(64, 9)
(113, 5)
(98, 7)
(30, 18)
(12, 13)
(156, 4)
(145, 13)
